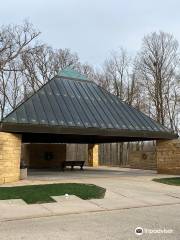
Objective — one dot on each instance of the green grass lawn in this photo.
(170, 181)
(42, 193)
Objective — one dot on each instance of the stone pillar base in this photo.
(23, 173)
(10, 153)
(168, 156)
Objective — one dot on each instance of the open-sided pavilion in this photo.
(71, 109)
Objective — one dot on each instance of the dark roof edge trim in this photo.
(28, 128)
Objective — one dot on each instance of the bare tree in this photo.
(116, 69)
(172, 99)
(65, 58)
(37, 67)
(156, 65)
(4, 79)
(14, 41)
(42, 63)
(119, 77)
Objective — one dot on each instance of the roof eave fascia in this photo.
(30, 128)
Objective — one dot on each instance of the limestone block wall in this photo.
(143, 160)
(44, 155)
(168, 156)
(10, 152)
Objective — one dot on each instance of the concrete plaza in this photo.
(132, 199)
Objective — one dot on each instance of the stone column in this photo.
(10, 154)
(168, 156)
(93, 155)
(96, 155)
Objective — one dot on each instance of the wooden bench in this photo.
(72, 164)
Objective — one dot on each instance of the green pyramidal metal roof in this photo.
(70, 73)
(77, 110)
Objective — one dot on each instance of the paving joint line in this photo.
(84, 212)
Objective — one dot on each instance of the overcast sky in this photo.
(93, 28)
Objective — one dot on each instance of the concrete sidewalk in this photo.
(124, 191)
(18, 209)
(104, 225)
